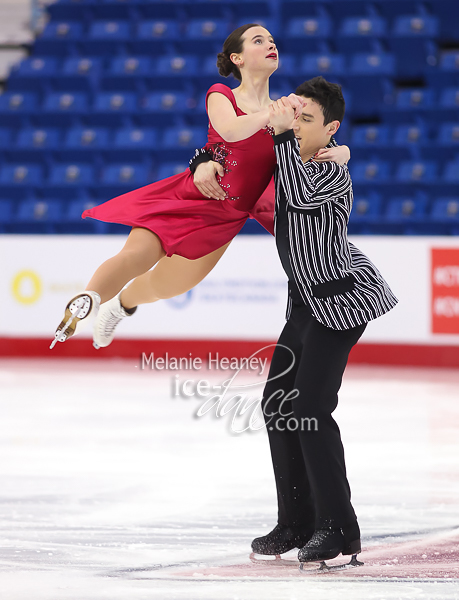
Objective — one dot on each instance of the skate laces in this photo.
(110, 321)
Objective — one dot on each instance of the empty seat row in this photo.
(219, 29)
(102, 138)
(375, 172)
(34, 72)
(366, 136)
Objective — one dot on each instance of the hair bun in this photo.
(224, 65)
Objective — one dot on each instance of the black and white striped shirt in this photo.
(327, 273)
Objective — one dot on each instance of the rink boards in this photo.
(243, 299)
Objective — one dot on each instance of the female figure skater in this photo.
(172, 217)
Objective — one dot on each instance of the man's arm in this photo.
(307, 187)
(205, 172)
(200, 156)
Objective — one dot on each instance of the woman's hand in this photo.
(281, 115)
(205, 179)
(338, 154)
(297, 103)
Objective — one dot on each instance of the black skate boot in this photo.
(282, 539)
(328, 543)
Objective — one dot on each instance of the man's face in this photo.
(310, 130)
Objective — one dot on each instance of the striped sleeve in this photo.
(308, 186)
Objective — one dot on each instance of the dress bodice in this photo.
(249, 164)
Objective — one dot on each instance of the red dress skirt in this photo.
(188, 223)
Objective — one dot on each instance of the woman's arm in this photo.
(338, 154)
(227, 124)
(233, 128)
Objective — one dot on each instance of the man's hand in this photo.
(338, 154)
(205, 179)
(281, 115)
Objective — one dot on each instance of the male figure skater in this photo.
(334, 290)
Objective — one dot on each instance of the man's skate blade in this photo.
(324, 568)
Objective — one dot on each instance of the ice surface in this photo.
(113, 489)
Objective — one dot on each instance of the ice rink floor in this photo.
(113, 488)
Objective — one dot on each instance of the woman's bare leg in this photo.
(141, 251)
(171, 277)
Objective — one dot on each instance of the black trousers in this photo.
(298, 400)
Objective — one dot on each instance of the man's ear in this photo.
(333, 127)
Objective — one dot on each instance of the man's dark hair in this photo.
(328, 95)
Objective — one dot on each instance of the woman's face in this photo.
(259, 52)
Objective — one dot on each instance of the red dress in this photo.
(188, 223)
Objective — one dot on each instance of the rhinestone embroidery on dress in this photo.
(269, 129)
(220, 155)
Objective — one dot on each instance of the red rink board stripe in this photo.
(373, 354)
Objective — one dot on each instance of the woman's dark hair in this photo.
(233, 45)
(328, 95)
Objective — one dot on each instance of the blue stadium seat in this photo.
(446, 209)
(135, 143)
(451, 173)
(130, 175)
(412, 39)
(446, 74)
(406, 215)
(306, 35)
(366, 211)
(448, 135)
(184, 137)
(416, 172)
(72, 174)
(371, 141)
(120, 102)
(208, 29)
(369, 80)
(33, 74)
(14, 106)
(341, 9)
(156, 36)
(39, 211)
(57, 102)
(416, 26)
(135, 138)
(272, 25)
(106, 38)
(6, 215)
(169, 169)
(326, 65)
(445, 212)
(26, 176)
(370, 172)
(396, 8)
(410, 106)
(359, 34)
(124, 73)
(74, 224)
(449, 99)
(448, 12)
(37, 216)
(59, 38)
(411, 135)
(36, 67)
(6, 138)
(113, 109)
(367, 65)
(84, 138)
(174, 72)
(39, 139)
(79, 74)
